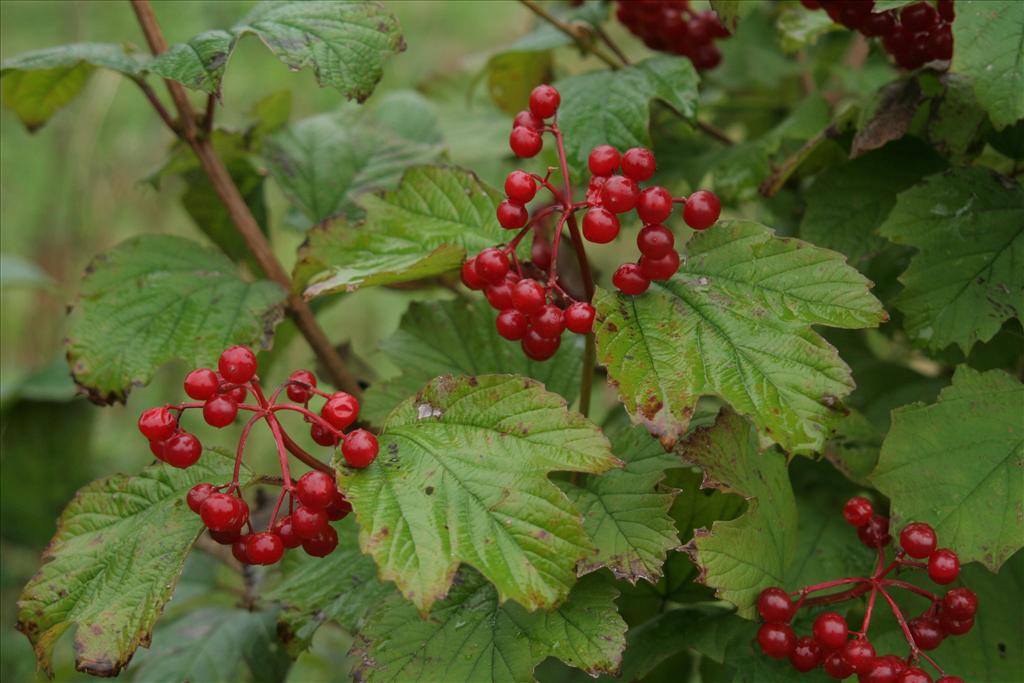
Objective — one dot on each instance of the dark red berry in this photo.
(157, 424)
(237, 364)
(225, 537)
(620, 194)
(235, 393)
(264, 548)
(955, 627)
(655, 241)
(836, 666)
(182, 450)
(858, 511)
(943, 566)
(238, 549)
(918, 540)
(927, 632)
(877, 24)
(539, 348)
(322, 435)
(157, 449)
(339, 507)
(775, 605)
(914, 675)
(776, 640)
(940, 44)
(223, 512)
(307, 522)
(341, 410)
(527, 296)
(520, 187)
(701, 210)
(360, 448)
(859, 654)
(960, 603)
(875, 534)
(806, 655)
(603, 160)
(548, 321)
(946, 11)
(600, 225)
(526, 118)
(544, 101)
(201, 384)
(920, 16)
(579, 317)
(540, 252)
(315, 489)
(830, 630)
(659, 268)
(300, 385)
(197, 494)
(638, 164)
(492, 265)
(220, 411)
(525, 142)
(883, 670)
(512, 324)
(512, 215)
(322, 544)
(629, 280)
(654, 205)
(499, 295)
(283, 529)
(707, 57)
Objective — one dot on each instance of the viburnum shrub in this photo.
(547, 352)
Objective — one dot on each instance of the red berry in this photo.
(960, 603)
(918, 540)
(877, 24)
(629, 280)
(638, 164)
(539, 348)
(883, 670)
(283, 529)
(875, 534)
(540, 252)
(830, 630)
(300, 384)
(182, 450)
(949, 679)
(223, 512)
(940, 44)
(654, 205)
(322, 544)
(858, 511)
(955, 627)
(235, 393)
(579, 317)
(157, 424)
(660, 268)
(264, 548)
(197, 494)
(706, 57)
(918, 17)
(655, 241)
(620, 194)
(526, 118)
(238, 549)
(492, 265)
(499, 295)
(549, 321)
(339, 507)
(603, 160)
(322, 436)
(806, 654)
(946, 11)
(341, 410)
(225, 537)
(512, 324)
(360, 448)
(237, 364)
(201, 384)
(512, 215)
(927, 632)
(315, 489)
(701, 210)
(520, 187)
(220, 411)
(914, 675)
(157, 449)
(307, 522)
(544, 101)
(600, 226)
(859, 654)
(836, 666)
(525, 142)
(943, 566)
(774, 605)
(527, 296)
(776, 640)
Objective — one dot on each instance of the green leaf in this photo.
(886, 5)
(214, 645)
(614, 107)
(37, 84)
(848, 203)
(346, 44)
(156, 298)
(799, 27)
(988, 36)
(459, 338)
(422, 229)
(968, 227)
(462, 477)
(112, 565)
(625, 512)
(511, 76)
(731, 11)
(956, 121)
(322, 163)
(735, 322)
(741, 557)
(341, 587)
(956, 465)
(472, 636)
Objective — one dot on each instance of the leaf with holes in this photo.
(967, 483)
(112, 565)
(472, 636)
(157, 298)
(462, 477)
(735, 323)
(989, 35)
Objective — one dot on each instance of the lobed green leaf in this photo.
(988, 36)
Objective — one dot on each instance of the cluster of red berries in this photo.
(610, 193)
(830, 645)
(671, 26)
(222, 508)
(913, 35)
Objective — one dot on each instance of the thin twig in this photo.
(607, 40)
(586, 46)
(211, 108)
(242, 217)
(157, 104)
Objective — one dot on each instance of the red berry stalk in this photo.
(535, 309)
(221, 395)
(842, 652)
(671, 26)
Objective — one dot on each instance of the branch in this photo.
(157, 105)
(584, 45)
(241, 216)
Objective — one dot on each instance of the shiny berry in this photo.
(322, 544)
(528, 296)
(512, 324)
(182, 450)
(322, 436)
(300, 386)
(579, 317)
(629, 280)
(264, 548)
(238, 549)
(918, 540)
(549, 321)
(883, 670)
(237, 364)
(600, 225)
(525, 142)
(544, 101)
(526, 118)
(946, 11)
(927, 632)
(223, 512)
(830, 630)
(197, 494)
(955, 627)
(655, 241)
(157, 424)
(512, 215)
(776, 640)
(220, 411)
(539, 348)
(341, 410)
(225, 537)
(201, 384)
(920, 16)
(603, 160)
(339, 507)
(492, 265)
(315, 489)
(283, 529)
(875, 534)
(499, 295)
(307, 522)
(960, 603)
(836, 666)
(914, 675)
(701, 210)
(360, 448)
(235, 393)
(662, 268)
(859, 654)
(638, 164)
(943, 566)
(520, 187)
(654, 205)
(806, 655)
(858, 511)
(620, 194)
(775, 605)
